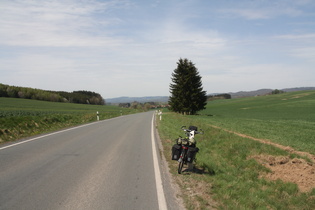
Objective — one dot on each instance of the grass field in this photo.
(227, 175)
(22, 117)
(288, 119)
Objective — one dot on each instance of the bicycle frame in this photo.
(182, 156)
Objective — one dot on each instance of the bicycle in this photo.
(185, 150)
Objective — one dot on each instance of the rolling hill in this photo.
(164, 99)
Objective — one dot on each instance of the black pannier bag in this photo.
(176, 150)
(193, 128)
(191, 154)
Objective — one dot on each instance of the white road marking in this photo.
(158, 179)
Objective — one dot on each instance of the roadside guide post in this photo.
(160, 113)
(97, 116)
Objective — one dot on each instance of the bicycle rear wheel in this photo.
(183, 160)
(180, 166)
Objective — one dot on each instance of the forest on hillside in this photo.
(80, 97)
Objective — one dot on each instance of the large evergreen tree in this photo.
(187, 95)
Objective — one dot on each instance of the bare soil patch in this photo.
(298, 171)
(294, 170)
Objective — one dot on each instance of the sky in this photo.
(131, 47)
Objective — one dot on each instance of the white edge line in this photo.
(50, 134)
(158, 179)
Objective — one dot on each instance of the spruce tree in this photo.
(187, 95)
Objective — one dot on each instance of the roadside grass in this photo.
(22, 117)
(226, 177)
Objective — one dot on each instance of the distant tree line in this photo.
(124, 105)
(142, 106)
(219, 96)
(80, 97)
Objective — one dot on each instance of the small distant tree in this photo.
(187, 94)
(146, 106)
(219, 96)
(276, 91)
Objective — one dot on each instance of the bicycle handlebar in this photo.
(187, 130)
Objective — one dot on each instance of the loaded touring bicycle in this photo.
(185, 150)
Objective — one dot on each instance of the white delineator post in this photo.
(97, 116)
(160, 113)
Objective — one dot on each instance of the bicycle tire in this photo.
(181, 164)
(180, 167)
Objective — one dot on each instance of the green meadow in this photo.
(226, 175)
(287, 119)
(23, 117)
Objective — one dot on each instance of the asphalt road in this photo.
(103, 165)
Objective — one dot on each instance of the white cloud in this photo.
(306, 53)
(296, 36)
(299, 45)
(261, 13)
(255, 10)
(55, 23)
(247, 13)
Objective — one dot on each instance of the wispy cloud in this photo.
(299, 45)
(297, 36)
(266, 9)
(304, 52)
(247, 13)
(55, 23)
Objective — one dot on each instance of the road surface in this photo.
(102, 165)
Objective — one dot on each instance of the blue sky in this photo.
(131, 47)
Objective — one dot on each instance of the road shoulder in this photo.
(171, 189)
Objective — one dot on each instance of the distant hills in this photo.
(164, 99)
(262, 92)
